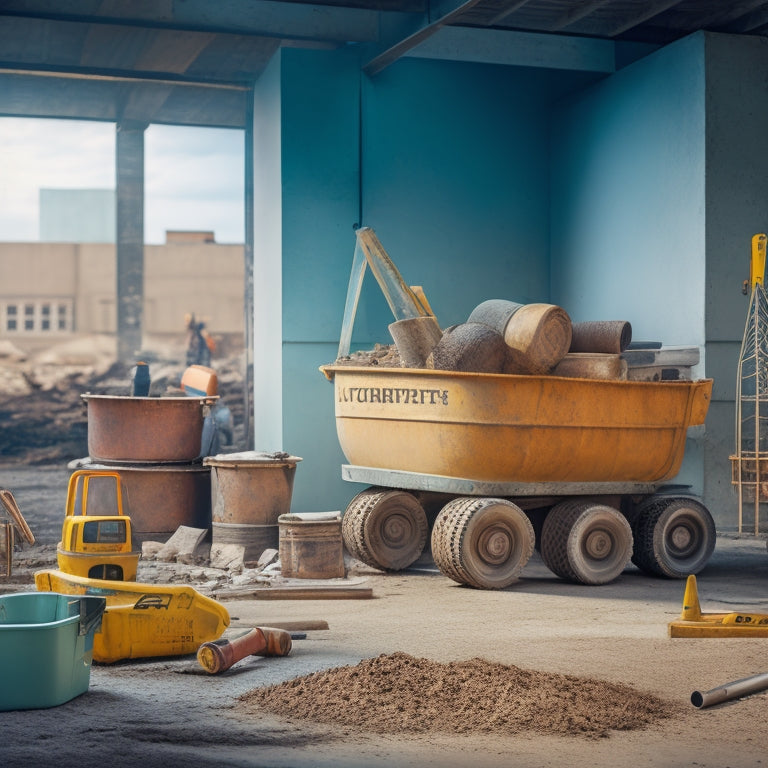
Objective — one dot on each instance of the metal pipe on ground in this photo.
(733, 690)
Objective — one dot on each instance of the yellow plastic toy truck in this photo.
(96, 537)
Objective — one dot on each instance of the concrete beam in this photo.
(400, 35)
(521, 49)
(266, 18)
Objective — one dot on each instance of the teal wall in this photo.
(737, 208)
(630, 197)
(447, 189)
(321, 180)
(628, 205)
(628, 213)
(658, 178)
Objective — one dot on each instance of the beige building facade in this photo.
(54, 291)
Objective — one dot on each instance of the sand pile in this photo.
(398, 693)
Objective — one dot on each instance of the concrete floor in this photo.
(170, 712)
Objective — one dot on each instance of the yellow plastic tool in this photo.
(143, 620)
(694, 623)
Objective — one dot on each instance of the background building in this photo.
(53, 291)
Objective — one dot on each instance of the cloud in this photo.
(194, 177)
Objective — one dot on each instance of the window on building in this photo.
(36, 316)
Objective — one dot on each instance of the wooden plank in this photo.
(6, 548)
(295, 593)
(293, 626)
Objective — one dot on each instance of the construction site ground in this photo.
(168, 712)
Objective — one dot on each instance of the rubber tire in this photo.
(574, 527)
(386, 529)
(655, 529)
(482, 542)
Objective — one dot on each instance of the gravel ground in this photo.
(170, 712)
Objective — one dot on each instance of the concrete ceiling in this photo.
(193, 62)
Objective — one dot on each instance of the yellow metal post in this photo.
(757, 263)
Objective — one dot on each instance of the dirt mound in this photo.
(399, 693)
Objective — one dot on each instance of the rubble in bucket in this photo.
(501, 336)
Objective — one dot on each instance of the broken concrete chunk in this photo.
(149, 549)
(200, 556)
(268, 556)
(183, 542)
(227, 556)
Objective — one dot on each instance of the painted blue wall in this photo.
(628, 198)
(737, 208)
(599, 196)
(658, 179)
(447, 188)
(320, 192)
(628, 206)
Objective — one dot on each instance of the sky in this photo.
(193, 177)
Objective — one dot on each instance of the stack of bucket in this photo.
(249, 493)
(155, 444)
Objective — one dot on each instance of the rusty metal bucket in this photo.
(145, 429)
(251, 488)
(249, 492)
(311, 546)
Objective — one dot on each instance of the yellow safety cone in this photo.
(691, 608)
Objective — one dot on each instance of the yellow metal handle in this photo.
(757, 264)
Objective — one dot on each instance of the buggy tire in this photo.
(386, 529)
(585, 542)
(673, 537)
(482, 542)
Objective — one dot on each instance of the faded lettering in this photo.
(393, 395)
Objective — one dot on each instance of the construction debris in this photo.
(42, 417)
(182, 545)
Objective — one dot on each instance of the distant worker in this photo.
(200, 345)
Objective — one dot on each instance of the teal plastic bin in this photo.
(46, 647)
